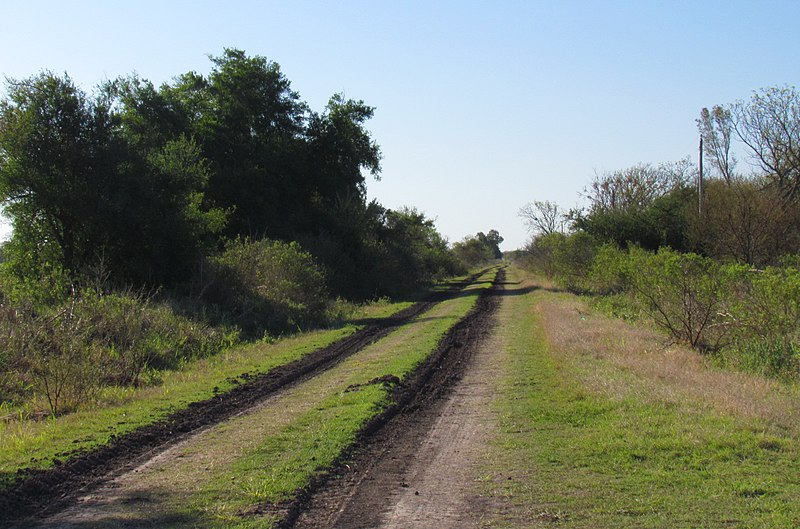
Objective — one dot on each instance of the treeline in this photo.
(714, 263)
(155, 224)
(145, 181)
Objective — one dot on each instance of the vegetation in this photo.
(481, 248)
(702, 262)
(156, 225)
(601, 426)
(259, 458)
(121, 409)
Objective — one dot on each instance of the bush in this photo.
(685, 294)
(769, 303)
(609, 272)
(269, 285)
(566, 259)
(64, 352)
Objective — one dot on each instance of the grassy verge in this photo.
(238, 473)
(37, 444)
(590, 439)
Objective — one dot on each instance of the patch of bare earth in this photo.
(422, 469)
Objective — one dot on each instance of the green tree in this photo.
(474, 250)
(82, 188)
(493, 241)
(57, 157)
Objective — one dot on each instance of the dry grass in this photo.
(648, 367)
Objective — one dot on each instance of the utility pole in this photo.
(700, 181)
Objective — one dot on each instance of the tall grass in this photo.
(62, 343)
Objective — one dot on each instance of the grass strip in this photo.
(571, 456)
(31, 444)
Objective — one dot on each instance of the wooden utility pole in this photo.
(700, 181)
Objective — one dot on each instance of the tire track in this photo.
(362, 485)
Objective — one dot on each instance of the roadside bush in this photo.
(769, 303)
(685, 294)
(57, 359)
(268, 285)
(62, 353)
(609, 272)
(138, 334)
(566, 259)
(777, 358)
(765, 307)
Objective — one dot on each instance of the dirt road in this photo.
(115, 497)
(421, 470)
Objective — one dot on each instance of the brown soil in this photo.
(419, 468)
(37, 493)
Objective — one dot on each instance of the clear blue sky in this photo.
(481, 106)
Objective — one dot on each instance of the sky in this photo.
(480, 107)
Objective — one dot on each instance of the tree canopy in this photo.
(145, 182)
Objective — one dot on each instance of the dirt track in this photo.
(43, 492)
(418, 469)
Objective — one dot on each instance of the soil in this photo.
(38, 493)
(418, 469)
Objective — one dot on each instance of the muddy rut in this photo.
(37, 493)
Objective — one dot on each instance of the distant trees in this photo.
(480, 248)
(752, 218)
(716, 129)
(543, 217)
(769, 125)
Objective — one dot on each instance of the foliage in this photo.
(747, 317)
(174, 189)
(769, 126)
(266, 284)
(684, 294)
(479, 249)
(610, 271)
(66, 350)
(746, 221)
(637, 187)
(716, 131)
(78, 193)
(566, 259)
(416, 254)
(493, 239)
(627, 210)
(543, 217)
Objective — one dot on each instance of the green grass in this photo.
(38, 444)
(569, 457)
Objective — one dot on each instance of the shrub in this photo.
(268, 284)
(64, 352)
(609, 272)
(684, 294)
(769, 303)
(566, 259)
